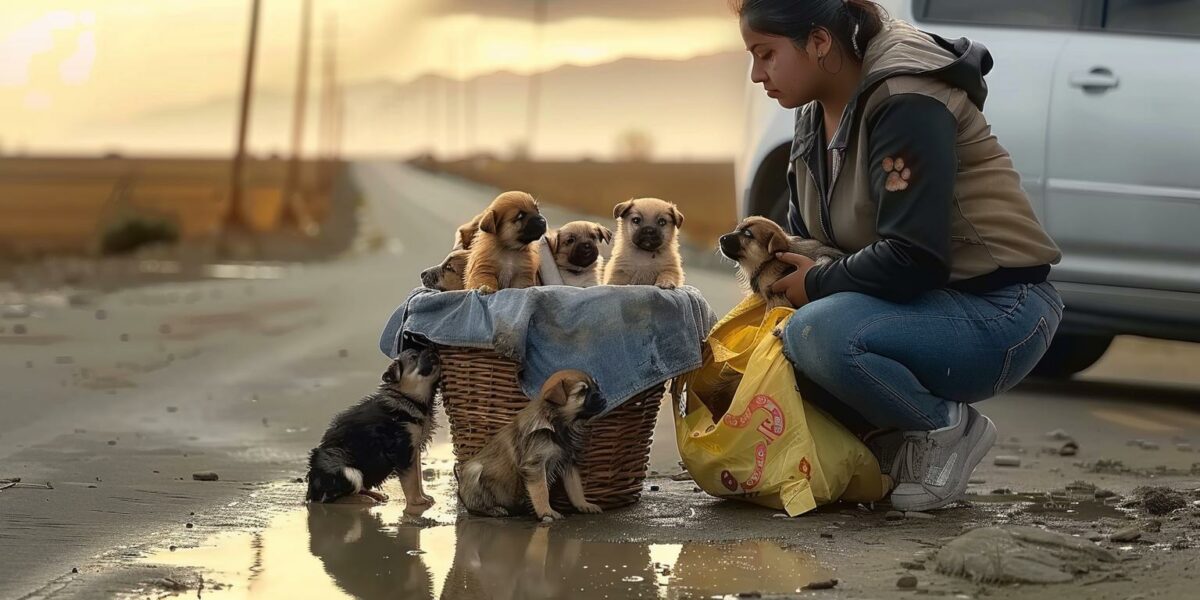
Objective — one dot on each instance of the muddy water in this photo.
(377, 552)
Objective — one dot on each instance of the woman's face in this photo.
(789, 74)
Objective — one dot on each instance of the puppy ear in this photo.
(466, 233)
(604, 233)
(777, 243)
(678, 216)
(557, 395)
(552, 241)
(488, 223)
(620, 210)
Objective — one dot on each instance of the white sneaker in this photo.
(938, 464)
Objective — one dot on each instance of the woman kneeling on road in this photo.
(942, 299)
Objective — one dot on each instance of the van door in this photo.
(1123, 166)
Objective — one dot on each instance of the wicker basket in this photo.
(481, 395)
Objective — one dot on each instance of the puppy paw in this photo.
(588, 508)
(666, 285)
(552, 515)
(486, 289)
(377, 496)
(414, 509)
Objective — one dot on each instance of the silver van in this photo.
(1097, 102)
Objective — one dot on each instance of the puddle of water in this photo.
(345, 551)
(1070, 506)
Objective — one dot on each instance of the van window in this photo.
(1056, 14)
(1172, 17)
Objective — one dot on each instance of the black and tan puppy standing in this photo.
(754, 245)
(384, 434)
(449, 276)
(515, 470)
(576, 251)
(646, 250)
(503, 254)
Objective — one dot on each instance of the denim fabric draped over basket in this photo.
(628, 338)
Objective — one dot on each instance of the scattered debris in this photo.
(1007, 461)
(205, 476)
(1129, 534)
(1069, 449)
(1102, 494)
(907, 582)
(1059, 434)
(171, 585)
(1160, 500)
(1019, 555)
(894, 515)
(827, 584)
(1184, 447)
(681, 476)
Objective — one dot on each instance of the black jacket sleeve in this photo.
(912, 170)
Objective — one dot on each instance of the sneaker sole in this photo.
(964, 475)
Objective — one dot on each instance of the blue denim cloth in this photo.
(627, 338)
(898, 365)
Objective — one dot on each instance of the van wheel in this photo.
(1071, 353)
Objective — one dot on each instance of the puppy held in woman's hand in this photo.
(450, 275)
(503, 254)
(383, 434)
(576, 250)
(515, 470)
(647, 245)
(754, 244)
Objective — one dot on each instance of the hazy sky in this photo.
(68, 63)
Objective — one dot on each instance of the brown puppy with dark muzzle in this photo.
(647, 245)
(754, 244)
(516, 469)
(576, 250)
(449, 276)
(503, 253)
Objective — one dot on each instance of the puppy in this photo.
(503, 254)
(383, 434)
(466, 233)
(647, 247)
(515, 469)
(754, 244)
(576, 250)
(450, 275)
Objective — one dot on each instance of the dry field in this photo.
(62, 205)
(703, 191)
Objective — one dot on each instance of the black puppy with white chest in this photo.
(383, 434)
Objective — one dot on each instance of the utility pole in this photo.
(294, 202)
(535, 79)
(235, 220)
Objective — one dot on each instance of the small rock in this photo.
(205, 476)
(1002, 492)
(827, 584)
(101, 314)
(429, 474)
(1149, 446)
(189, 525)
(1069, 449)
(826, 535)
(1059, 434)
(912, 514)
(1152, 526)
(343, 353)
(124, 337)
(74, 569)
(654, 488)
(172, 409)
(681, 476)
(92, 486)
(894, 515)
(907, 582)
(1161, 500)
(1102, 494)
(1129, 534)
(749, 594)
(780, 516)
(696, 489)
(1183, 447)
(19, 329)
(171, 548)
(912, 565)
(112, 442)
(298, 480)
(1007, 461)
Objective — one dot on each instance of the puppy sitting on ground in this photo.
(503, 254)
(647, 246)
(754, 244)
(516, 469)
(576, 250)
(383, 434)
(450, 275)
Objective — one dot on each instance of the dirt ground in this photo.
(116, 397)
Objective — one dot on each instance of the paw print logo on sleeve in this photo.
(898, 175)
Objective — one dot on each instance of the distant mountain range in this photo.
(692, 109)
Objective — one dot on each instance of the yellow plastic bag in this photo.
(771, 448)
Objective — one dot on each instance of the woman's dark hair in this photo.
(852, 23)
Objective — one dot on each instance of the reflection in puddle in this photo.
(1067, 506)
(342, 551)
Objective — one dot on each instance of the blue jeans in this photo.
(891, 365)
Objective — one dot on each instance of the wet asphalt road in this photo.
(117, 399)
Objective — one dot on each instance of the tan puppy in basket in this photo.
(516, 468)
(754, 244)
(503, 252)
(576, 251)
(647, 246)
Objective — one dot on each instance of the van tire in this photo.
(1070, 353)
